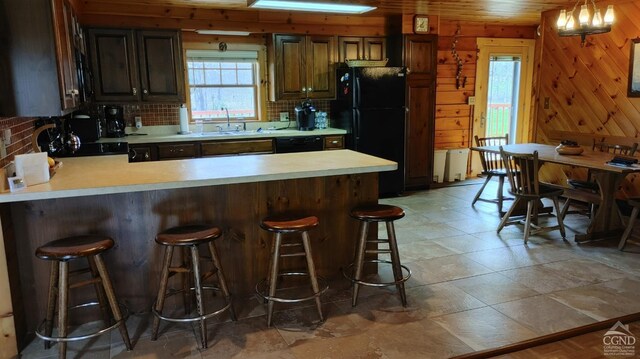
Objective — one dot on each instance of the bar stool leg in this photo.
(359, 262)
(99, 292)
(111, 297)
(164, 278)
(273, 276)
(395, 261)
(63, 299)
(312, 272)
(195, 258)
(187, 297)
(271, 259)
(51, 302)
(221, 279)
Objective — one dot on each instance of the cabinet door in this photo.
(421, 54)
(420, 132)
(64, 32)
(320, 58)
(374, 48)
(142, 153)
(177, 150)
(114, 68)
(290, 70)
(350, 48)
(160, 58)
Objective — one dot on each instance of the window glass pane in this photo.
(212, 77)
(245, 77)
(245, 65)
(211, 65)
(228, 65)
(206, 102)
(229, 77)
(198, 77)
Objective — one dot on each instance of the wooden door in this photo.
(290, 70)
(374, 48)
(421, 54)
(350, 48)
(64, 32)
(320, 58)
(161, 70)
(421, 95)
(114, 65)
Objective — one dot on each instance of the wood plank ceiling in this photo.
(508, 12)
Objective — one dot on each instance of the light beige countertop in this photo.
(95, 175)
(159, 134)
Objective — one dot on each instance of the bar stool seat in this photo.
(188, 238)
(369, 214)
(60, 252)
(266, 289)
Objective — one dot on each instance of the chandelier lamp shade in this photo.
(584, 21)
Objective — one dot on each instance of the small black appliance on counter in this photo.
(114, 121)
(85, 127)
(306, 116)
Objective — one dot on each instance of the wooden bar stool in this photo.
(60, 252)
(189, 237)
(374, 214)
(279, 226)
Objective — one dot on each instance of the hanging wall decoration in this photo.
(460, 80)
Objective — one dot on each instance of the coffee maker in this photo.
(114, 121)
(305, 116)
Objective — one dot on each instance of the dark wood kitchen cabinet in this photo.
(302, 67)
(38, 58)
(361, 48)
(133, 65)
(420, 59)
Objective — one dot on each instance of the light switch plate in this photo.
(284, 116)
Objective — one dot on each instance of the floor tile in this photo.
(517, 256)
(542, 279)
(442, 269)
(245, 338)
(558, 317)
(494, 288)
(484, 328)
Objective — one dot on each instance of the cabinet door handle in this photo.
(135, 91)
(145, 91)
(334, 142)
(146, 155)
(304, 89)
(310, 89)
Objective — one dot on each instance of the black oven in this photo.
(298, 144)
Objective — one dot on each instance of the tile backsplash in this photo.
(21, 131)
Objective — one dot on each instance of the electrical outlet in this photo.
(471, 100)
(284, 116)
(138, 121)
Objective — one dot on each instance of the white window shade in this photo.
(223, 56)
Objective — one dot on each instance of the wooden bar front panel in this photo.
(133, 220)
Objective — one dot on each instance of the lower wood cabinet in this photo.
(142, 153)
(177, 150)
(334, 143)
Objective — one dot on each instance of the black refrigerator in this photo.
(370, 105)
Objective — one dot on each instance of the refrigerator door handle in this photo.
(356, 127)
(357, 92)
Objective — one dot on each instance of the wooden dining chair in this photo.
(492, 166)
(522, 172)
(588, 190)
(635, 203)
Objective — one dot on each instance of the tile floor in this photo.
(471, 289)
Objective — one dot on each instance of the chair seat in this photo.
(377, 213)
(545, 191)
(289, 223)
(587, 185)
(496, 172)
(188, 235)
(69, 248)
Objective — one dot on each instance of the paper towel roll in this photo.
(184, 120)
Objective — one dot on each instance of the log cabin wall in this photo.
(453, 115)
(586, 88)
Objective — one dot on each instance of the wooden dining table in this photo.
(606, 222)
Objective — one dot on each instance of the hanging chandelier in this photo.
(587, 23)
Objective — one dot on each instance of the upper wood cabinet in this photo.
(302, 67)
(129, 65)
(421, 54)
(38, 58)
(361, 48)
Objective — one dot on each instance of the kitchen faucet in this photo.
(228, 118)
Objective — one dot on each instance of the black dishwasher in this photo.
(298, 144)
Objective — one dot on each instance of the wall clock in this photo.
(421, 24)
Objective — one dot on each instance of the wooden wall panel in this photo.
(453, 115)
(587, 87)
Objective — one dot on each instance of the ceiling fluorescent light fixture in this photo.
(223, 32)
(309, 6)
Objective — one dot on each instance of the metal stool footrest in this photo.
(373, 284)
(190, 319)
(125, 315)
(261, 289)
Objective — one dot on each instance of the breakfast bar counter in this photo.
(131, 202)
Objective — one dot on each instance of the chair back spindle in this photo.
(522, 171)
(491, 162)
